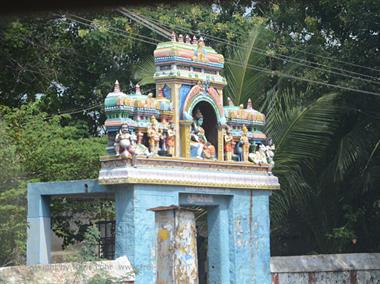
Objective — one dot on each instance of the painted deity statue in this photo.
(259, 157)
(199, 146)
(140, 148)
(269, 152)
(228, 145)
(154, 135)
(164, 135)
(209, 151)
(244, 141)
(197, 136)
(170, 140)
(124, 142)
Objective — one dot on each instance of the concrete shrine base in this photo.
(238, 225)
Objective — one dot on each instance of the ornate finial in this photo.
(116, 87)
(160, 93)
(188, 39)
(138, 91)
(241, 106)
(230, 102)
(249, 104)
(195, 41)
(180, 38)
(174, 38)
(201, 39)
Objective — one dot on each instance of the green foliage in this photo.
(8, 158)
(90, 244)
(243, 81)
(36, 147)
(48, 151)
(87, 253)
(145, 70)
(327, 140)
(68, 217)
(13, 225)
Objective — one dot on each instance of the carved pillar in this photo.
(220, 144)
(185, 127)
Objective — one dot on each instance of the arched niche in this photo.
(197, 94)
(210, 121)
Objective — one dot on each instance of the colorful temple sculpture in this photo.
(168, 152)
(186, 118)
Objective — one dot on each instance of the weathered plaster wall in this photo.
(238, 226)
(335, 268)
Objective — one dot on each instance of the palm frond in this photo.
(145, 71)
(302, 133)
(243, 81)
(374, 150)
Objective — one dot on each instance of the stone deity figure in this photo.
(154, 135)
(170, 140)
(124, 142)
(244, 141)
(228, 145)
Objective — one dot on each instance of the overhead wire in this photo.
(278, 73)
(285, 75)
(291, 59)
(112, 30)
(320, 56)
(78, 110)
(229, 42)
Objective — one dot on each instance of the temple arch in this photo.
(210, 121)
(193, 99)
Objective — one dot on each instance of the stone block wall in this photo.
(120, 271)
(335, 268)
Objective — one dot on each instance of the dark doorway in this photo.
(210, 122)
(202, 242)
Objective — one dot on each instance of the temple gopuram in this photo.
(168, 152)
(186, 119)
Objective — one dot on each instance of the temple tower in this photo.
(180, 147)
(188, 73)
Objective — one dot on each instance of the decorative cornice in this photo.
(185, 172)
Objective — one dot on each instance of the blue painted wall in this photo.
(238, 226)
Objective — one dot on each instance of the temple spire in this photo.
(174, 37)
(160, 93)
(116, 87)
(195, 41)
(138, 91)
(230, 102)
(249, 104)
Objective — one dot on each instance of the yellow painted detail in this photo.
(163, 234)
